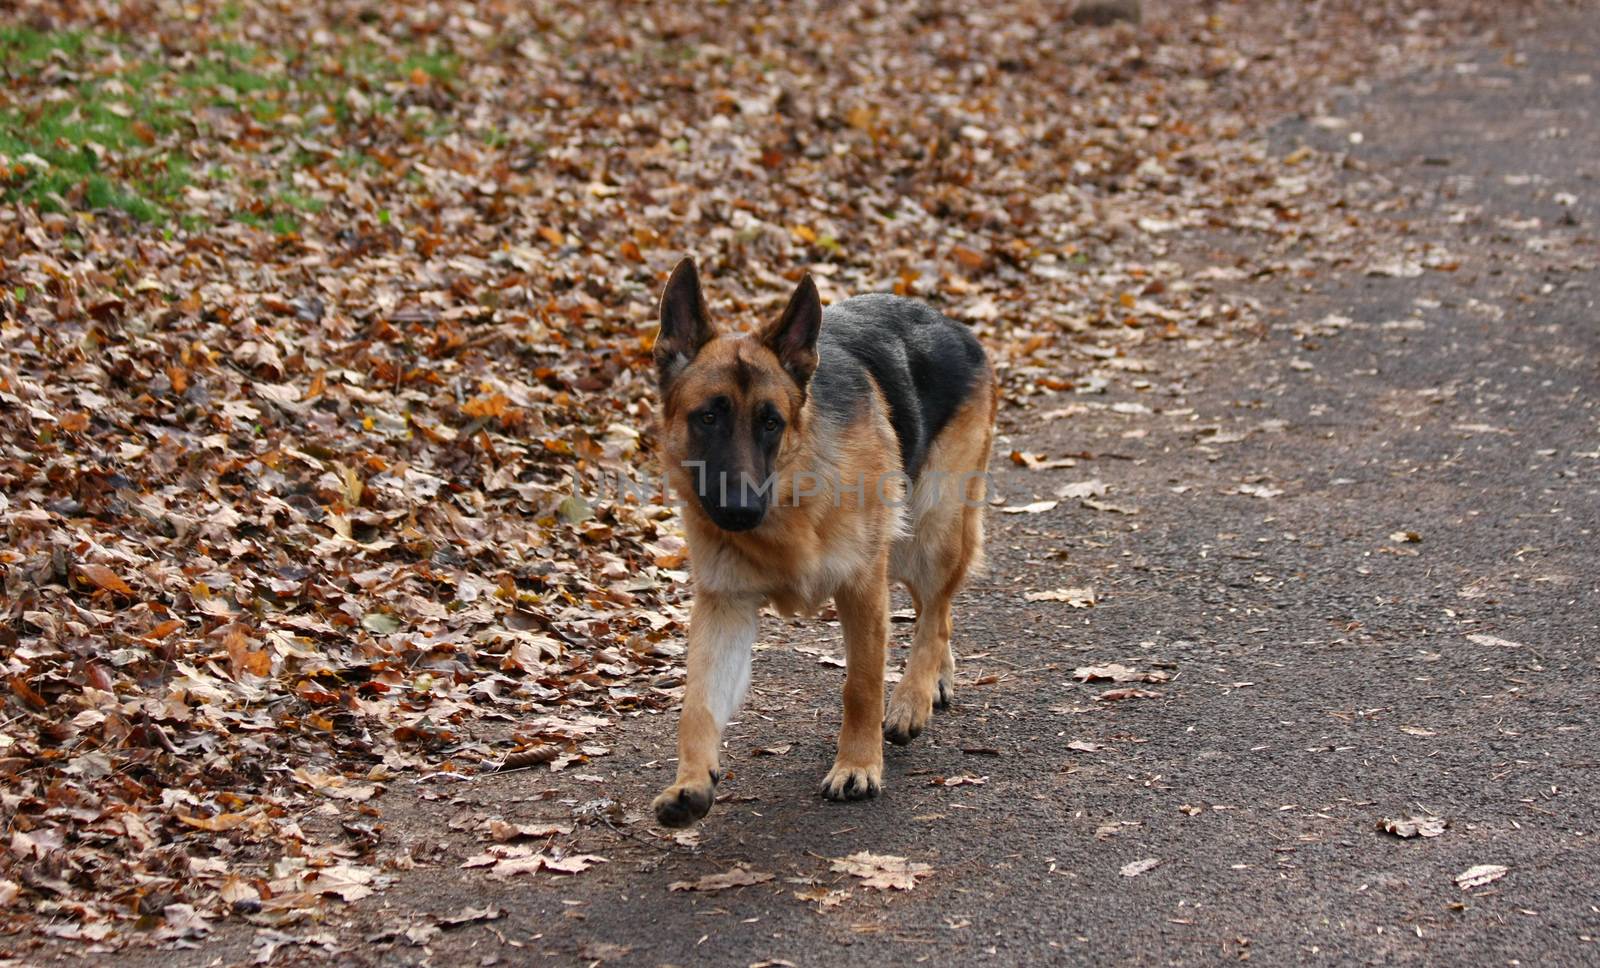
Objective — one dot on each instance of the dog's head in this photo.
(731, 400)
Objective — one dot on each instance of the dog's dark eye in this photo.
(773, 425)
(709, 417)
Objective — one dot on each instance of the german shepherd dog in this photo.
(818, 457)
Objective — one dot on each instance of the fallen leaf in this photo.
(1495, 641)
(1082, 489)
(1414, 826)
(1258, 490)
(1398, 268)
(1115, 672)
(598, 951)
(882, 871)
(382, 623)
(822, 656)
(102, 577)
(1037, 507)
(344, 881)
(1135, 868)
(823, 897)
(737, 877)
(1114, 695)
(574, 864)
(1076, 597)
(1479, 875)
(505, 832)
(1037, 463)
(951, 781)
(472, 915)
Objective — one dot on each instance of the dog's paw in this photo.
(906, 719)
(945, 694)
(848, 782)
(683, 803)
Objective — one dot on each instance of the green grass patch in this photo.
(22, 47)
(116, 138)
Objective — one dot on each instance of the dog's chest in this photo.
(797, 576)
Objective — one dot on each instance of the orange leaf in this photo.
(104, 577)
(26, 693)
(552, 236)
(222, 821)
(486, 405)
(165, 629)
(971, 258)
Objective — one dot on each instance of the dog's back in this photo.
(926, 365)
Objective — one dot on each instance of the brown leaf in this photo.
(1076, 597)
(1414, 826)
(1116, 695)
(882, 871)
(737, 877)
(1480, 875)
(573, 864)
(1115, 672)
(102, 577)
(970, 258)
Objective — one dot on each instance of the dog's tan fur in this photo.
(845, 545)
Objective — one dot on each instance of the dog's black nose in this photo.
(741, 517)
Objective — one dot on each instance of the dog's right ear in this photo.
(685, 325)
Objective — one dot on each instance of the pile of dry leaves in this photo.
(315, 396)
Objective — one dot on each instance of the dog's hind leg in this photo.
(929, 678)
(864, 612)
(945, 546)
(721, 633)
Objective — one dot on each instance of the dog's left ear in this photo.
(685, 324)
(793, 338)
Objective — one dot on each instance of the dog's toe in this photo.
(901, 730)
(945, 694)
(853, 782)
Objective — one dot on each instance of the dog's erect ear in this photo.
(793, 338)
(685, 325)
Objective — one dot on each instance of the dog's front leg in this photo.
(721, 633)
(864, 612)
